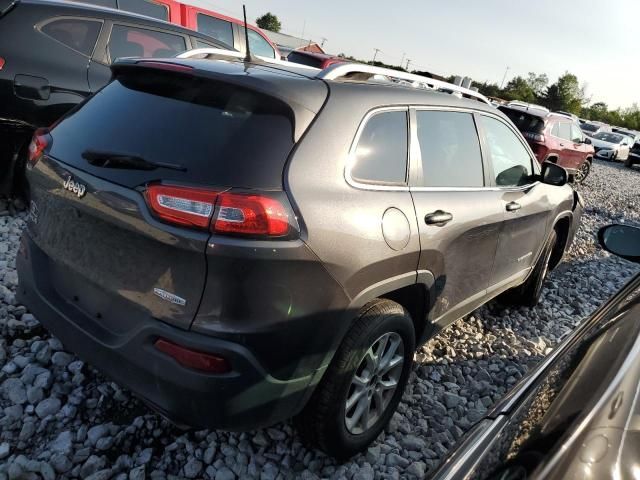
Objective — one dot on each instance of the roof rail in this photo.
(221, 54)
(345, 70)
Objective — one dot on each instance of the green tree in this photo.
(269, 21)
(519, 89)
(566, 94)
(538, 83)
(490, 89)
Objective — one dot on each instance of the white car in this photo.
(611, 146)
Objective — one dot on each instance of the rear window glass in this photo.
(305, 59)
(80, 35)
(523, 120)
(221, 134)
(144, 7)
(216, 28)
(589, 127)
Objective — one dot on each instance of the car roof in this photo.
(112, 13)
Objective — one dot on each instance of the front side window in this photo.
(128, 41)
(381, 154)
(80, 35)
(576, 134)
(216, 28)
(450, 149)
(512, 165)
(144, 7)
(258, 45)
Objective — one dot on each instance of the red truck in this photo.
(221, 27)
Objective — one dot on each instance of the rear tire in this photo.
(361, 374)
(629, 162)
(528, 294)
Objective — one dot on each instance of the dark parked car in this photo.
(554, 137)
(575, 415)
(311, 59)
(634, 155)
(239, 243)
(54, 54)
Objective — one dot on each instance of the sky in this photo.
(593, 39)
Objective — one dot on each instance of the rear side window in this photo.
(450, 149)
(523, 120)
(220, 134)
(78, 34)
(381, 153)
(144, 7)
(258, 45)
(511, 161)
(129, 41)
(216, 28)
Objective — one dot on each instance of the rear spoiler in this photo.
(8, 8)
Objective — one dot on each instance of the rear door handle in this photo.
(438, 218)
(513, 206)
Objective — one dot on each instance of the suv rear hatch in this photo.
(126, 189)
(530, 125)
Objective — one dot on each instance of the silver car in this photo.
(611, 146)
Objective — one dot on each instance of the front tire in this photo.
(583, 172)
(364, 383)
(528, 294)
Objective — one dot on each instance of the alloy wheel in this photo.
(582, 172)
(374, 383)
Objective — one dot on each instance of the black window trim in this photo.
(39, 26)
(354, 145)
(140, 26)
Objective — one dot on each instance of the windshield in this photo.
(589, 127)
(609, 137)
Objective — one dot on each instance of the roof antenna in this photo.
(248, 57)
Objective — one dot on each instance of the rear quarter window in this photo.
(128, 41)
(78, 34)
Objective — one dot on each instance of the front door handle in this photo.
(438, 218)
(513, 206)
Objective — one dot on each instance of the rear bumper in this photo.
(244, 399)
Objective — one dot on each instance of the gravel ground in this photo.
(59, 418)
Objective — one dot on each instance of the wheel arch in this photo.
(562, 226)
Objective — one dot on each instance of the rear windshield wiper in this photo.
(125, 161)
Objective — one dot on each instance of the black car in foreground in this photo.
(577, 415)
(54, 54)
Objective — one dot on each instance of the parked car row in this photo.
(553, 137)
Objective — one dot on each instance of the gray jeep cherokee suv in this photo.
(240, 243)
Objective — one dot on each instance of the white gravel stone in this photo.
(458, 375)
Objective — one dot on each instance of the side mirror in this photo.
(621, 240)
(587, 140)
(553, 174)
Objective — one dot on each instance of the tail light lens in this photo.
(245, 214)
(251, 215)
(40, 141)
(190, 207)
(1, 63)
(205, 362)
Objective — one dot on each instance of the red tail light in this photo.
(172, 67)
(191, 207)
(251, 215)
(186, 357)
(41, 139)
(1, 63)
(237, 213)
